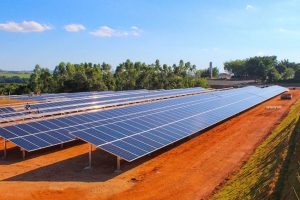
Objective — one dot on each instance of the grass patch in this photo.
(12, 74)
(288, 186)
(258, 178)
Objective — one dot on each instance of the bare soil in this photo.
(11, 101)
(190, 169)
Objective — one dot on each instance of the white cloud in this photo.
(25, 26)
(250, 7)
(74, 27)
(289, 31)
(135, 31)
(134, 28)
(106, 31)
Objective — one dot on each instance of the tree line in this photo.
(128, 75)
(68, 77)
(266, 69)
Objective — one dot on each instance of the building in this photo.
(224, 76)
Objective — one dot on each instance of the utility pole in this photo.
(210, 70)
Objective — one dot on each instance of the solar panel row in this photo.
(6, 110)
(55, 96)
(134, 131)
(48, 98)
(113, 99)
(58, 96)
(95, 101)
(145, 134)
(64, 125)
(69, 124)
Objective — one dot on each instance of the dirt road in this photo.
(191, 169)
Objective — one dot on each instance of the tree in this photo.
(258, 67)
(108, 78)
(46, 81)
(215, 72)
(273, 75)
(79, 83)
(60, 76)
(281, 68)
(41, 80)
(68, 77)
(288, 73)
(237, 67)
(70, 69)
(35, 78)
(297, 75)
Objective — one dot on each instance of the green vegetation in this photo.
(266, 69)
(5, 74)
(9, 77)
(128, 75)
(68, 77)
(288, 186)
(14, 88)
(258, 178)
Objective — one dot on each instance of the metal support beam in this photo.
(23, 153)
(118, 170)
(90, 157)
(61, 145)
(4, 148)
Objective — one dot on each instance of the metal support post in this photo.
(23, 153)
(118, 165)
(90, 157)
(4, 148)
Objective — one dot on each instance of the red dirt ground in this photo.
(191, 169)
(11, 101)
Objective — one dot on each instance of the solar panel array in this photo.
(6, 110)
(110, 99)
(80, 103)
(138, 136)
(134, 131)
(55, 96)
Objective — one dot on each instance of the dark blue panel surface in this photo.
(27, 145)
(141, 144)
(89, 138)
(118, 151)
(50, 139)
(131, 132)
(37, 141)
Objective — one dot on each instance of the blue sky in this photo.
(47, 32)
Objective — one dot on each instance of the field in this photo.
(191, 169)
(12, 74)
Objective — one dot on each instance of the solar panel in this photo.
(4, 110)
(55, 96)
(60, 126)
(62, 97)
(132, 132)
(114, 99)
(184, 122)
(72, 105)
(7, 112)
